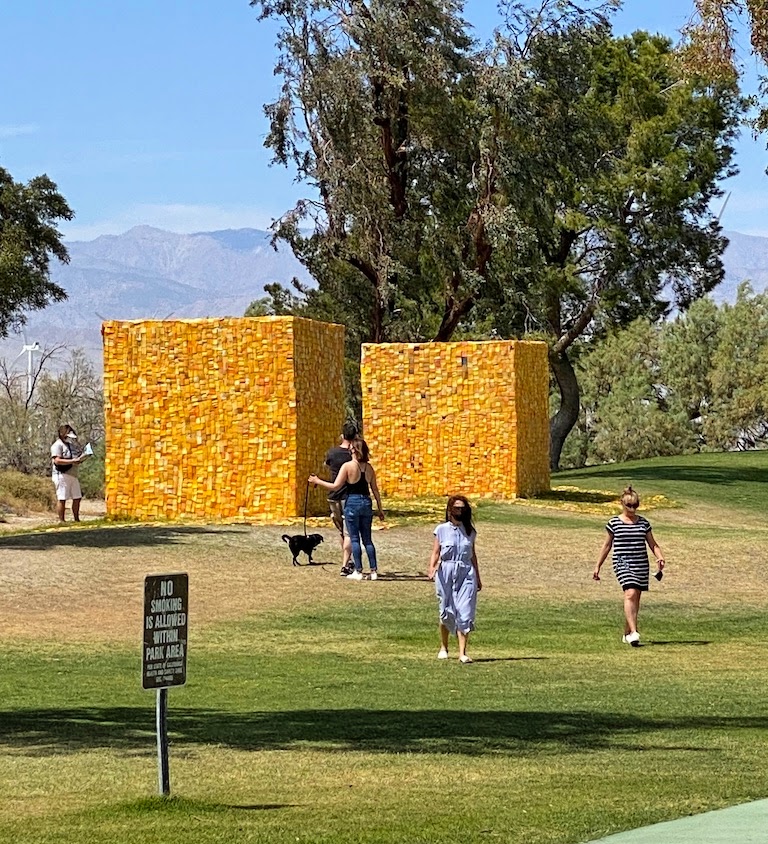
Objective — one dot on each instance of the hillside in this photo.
(150, 273)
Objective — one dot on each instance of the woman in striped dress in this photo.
(453, 565)
(628, 534)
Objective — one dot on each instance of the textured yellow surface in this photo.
(446, 418)
(219, 419)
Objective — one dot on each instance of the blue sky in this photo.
(150, 111)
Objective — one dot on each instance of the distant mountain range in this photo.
(149, 273)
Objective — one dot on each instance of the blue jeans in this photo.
(358, 518)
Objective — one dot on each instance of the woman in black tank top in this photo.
(360, 479)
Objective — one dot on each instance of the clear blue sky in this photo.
(150, 111)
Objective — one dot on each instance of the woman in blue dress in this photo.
(453, 565)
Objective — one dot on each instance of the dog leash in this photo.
(306, 500)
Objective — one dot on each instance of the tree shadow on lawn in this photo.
(130, 730)
(677, 472)
(108, 537)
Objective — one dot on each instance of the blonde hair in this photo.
(629, 496)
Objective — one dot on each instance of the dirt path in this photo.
(89, 510)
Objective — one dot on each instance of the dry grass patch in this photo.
(86, 584)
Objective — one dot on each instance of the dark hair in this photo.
(466, 513)
(64, 430)
(360, 449)
(349, 431)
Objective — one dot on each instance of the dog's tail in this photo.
(285, 537)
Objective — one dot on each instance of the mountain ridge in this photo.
(150, 273)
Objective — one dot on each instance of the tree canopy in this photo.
(556, 182)
(28, 240)
(693, 383)
(710, 41)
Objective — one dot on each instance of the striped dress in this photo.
(630, 553)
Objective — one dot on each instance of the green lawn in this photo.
(735, 479)
(315, 709)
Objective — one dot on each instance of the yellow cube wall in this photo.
(450, 418)
(219, 419)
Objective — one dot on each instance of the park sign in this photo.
(166, 604)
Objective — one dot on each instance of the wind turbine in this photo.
(30, 349)
(724, 204)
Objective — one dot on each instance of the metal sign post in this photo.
(164, 656)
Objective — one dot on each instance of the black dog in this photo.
(300, 543)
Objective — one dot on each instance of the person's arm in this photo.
(604, 551)
(58, 460)
(477, 568)
(375, 490)
(341, 479)
(434, 559)
(654, 546)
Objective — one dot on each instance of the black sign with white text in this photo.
(164, 660)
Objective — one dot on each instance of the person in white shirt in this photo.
(65, 459)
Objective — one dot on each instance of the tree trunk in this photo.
(562, 422)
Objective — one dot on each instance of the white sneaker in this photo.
(356, 575)
(442, 654)
(374, 575)
(633, 639)
(624, 639)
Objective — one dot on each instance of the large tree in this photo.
(611, 170)
(556, 182)
(29, 239)
(373, 93)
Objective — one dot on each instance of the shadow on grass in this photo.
(700, 474)
(508, 658)
(333, 569)
(48, 732)
(402, 575)
(184, 806)
(659, 642)
(576, 496)
(112, 537)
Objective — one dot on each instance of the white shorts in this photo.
(67, 487)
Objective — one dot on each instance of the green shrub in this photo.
(20, 492)
(91, 473)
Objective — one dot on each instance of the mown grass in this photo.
(318, 730)
(315, 710)
(732, 480)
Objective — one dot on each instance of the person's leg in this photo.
(463, 639)
(366, 522)
(631, 608)
(444, 634)
(337, 517)
(60, 508)
(346, 542)
(352, 524)
(76, 509)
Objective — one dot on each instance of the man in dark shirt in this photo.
(334, 460)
